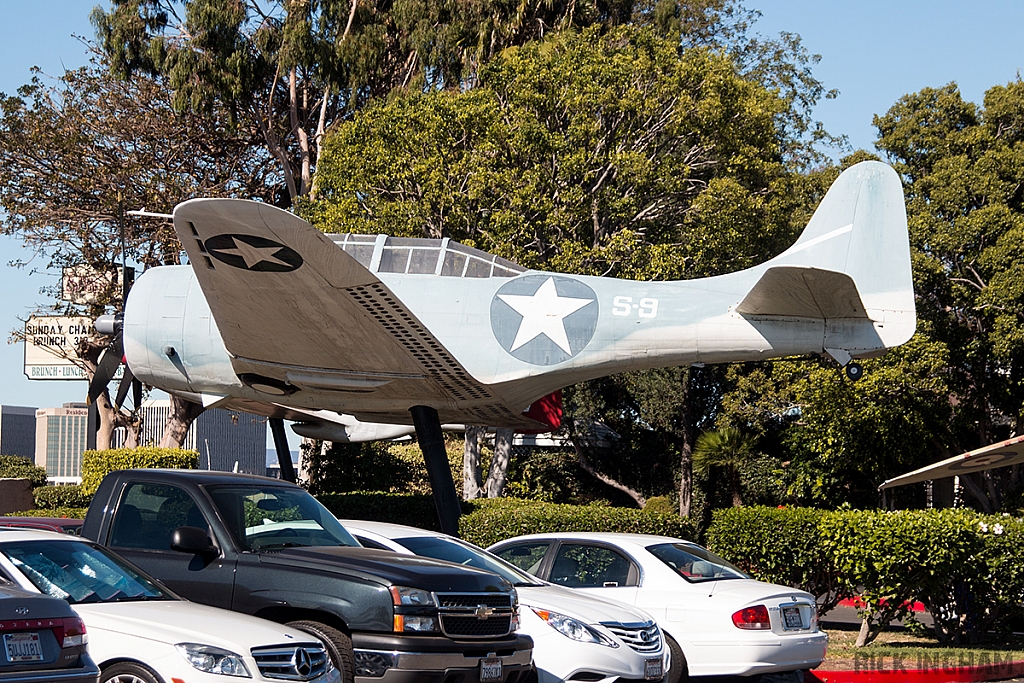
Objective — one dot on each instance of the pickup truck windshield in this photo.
(79, 572)
(271, 516)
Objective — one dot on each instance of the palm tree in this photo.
(728, 448)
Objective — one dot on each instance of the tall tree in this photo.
(601, 152)
(961, 167)
(74, 151)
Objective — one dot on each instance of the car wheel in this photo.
(678, 672)
(339, 646)
(129, 672)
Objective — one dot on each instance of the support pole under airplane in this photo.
(284, 456)
(428, 432)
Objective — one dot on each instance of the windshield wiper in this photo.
(287, 544)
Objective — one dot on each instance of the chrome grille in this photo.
(475, 615)
(643, 638)
(291, 662)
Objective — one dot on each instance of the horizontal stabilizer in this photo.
(803, 292)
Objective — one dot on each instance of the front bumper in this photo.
(426, 659)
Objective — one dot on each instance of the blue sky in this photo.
(873, 52)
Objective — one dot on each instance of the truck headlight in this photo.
(213, 660)
(573, 628)
(410, 619)
(400, 595)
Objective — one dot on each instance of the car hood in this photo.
(179, 621)
(586, 608)
(751, 591)
(399, 570)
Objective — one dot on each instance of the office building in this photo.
(227, 440)
(60, 440)
(18, 431)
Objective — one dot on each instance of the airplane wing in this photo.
(1002, 454)
(298, 312)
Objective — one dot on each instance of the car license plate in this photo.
(652, 669)
(490, 669)
(23, 647)
(791, 618)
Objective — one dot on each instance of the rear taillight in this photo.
(70, 632)
(752, 618)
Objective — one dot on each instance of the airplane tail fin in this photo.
(851, 263)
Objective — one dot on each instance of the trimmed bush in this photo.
(779, 545)
(64, 512)
(411, 509)
(54, 497)
(98, 464)
(503, 518)
(18, 467)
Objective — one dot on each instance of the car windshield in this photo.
(272, 516)
(469, 555)
(695, 564)
(80, 573)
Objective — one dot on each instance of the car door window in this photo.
(526, 556)
(149, 514)
(589, 566)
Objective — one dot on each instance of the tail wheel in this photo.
(678, 671)
(129, 672)
(339, 646)
(854, 371)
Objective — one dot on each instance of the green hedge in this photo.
(967, 568)
(17, 467)
(487, 521)
(66, 512)
(502, 518)
(411, 509)
(97, 464)
(779, 545)
(53, 497)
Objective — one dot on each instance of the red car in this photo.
(61, 524)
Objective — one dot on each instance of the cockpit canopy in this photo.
(420, 256)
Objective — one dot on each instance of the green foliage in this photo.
(54, 497)
(903, 556)
(98, 464)
(61, 512)
(779, 545)
(498, 520)
(17, 467)
(411, 509)
(967, 568)
(961, 165)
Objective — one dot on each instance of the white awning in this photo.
(1002, 454)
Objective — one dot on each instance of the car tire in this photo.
(129, 672)
(339, 646)
(678, 671)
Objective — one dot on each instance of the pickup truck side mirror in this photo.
(193, 540)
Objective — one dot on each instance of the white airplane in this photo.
(274, 317)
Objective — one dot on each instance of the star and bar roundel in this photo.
(544, 319)
(251, 252)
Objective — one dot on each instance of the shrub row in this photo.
(965, 567)
(63, 512)
(17, 467)
(97, 464)
(54, 497)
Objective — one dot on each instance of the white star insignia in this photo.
(253, 255)
(543, 313)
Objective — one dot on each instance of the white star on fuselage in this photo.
(253, 255)
(543, 313)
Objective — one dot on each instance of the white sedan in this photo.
(575, 637)
(716, 618)
(141, 633)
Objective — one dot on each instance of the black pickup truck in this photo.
(266, 547)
